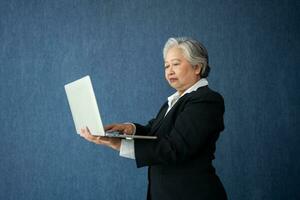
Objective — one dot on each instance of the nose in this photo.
(170, 70)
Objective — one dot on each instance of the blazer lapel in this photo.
(162, 114)
(159, 118)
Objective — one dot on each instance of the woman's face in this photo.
(179, 72)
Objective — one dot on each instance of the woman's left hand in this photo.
(113, 143)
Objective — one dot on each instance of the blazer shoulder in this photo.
(206, 94)
(206, 99)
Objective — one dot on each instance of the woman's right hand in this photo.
(126, 128)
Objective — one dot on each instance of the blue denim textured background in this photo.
(253, 48)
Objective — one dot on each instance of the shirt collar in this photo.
(174, 97)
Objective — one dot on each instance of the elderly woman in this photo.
(187, 126)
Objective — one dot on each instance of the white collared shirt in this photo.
(127, 146)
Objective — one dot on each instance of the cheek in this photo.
(181, 74)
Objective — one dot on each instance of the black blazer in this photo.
(180, 160)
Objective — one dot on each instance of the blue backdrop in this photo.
(253, 48)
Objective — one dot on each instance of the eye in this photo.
(167, 66)
(176, 64)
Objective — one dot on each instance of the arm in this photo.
(196, 126)
(144, 130)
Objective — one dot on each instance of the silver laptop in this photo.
(85, 112)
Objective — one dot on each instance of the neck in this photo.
(180, 92)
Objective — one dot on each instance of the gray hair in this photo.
(194, 52)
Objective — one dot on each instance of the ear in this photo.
(198, 69)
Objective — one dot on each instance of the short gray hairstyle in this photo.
(194, 52)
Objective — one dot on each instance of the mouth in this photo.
(172, 79)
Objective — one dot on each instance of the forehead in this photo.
(175, 53)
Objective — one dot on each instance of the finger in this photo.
(115, 127)
(108, 127)
(87, 135)
(81, 132)
(127, 130)
(84, 133)
(88, 130)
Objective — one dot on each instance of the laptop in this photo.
(85, 112)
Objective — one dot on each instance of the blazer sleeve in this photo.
(144, 130)
(195, 127)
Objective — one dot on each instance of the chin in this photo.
(172, 85)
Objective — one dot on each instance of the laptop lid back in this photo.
(83, 105)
